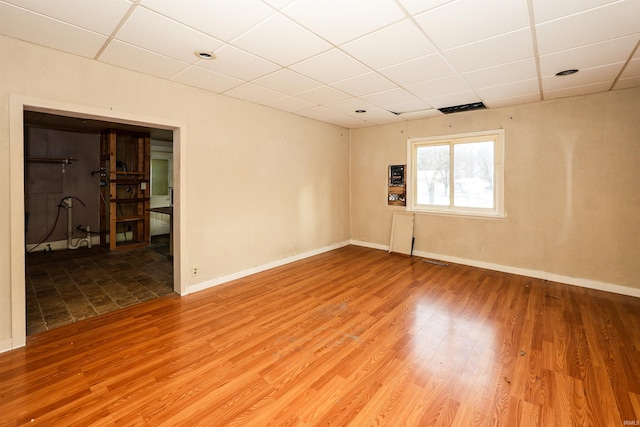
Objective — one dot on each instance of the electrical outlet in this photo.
(194, 271)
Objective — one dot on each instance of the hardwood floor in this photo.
(351, 337)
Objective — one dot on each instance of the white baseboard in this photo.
(6, 345)
(369, 245)
(544, 275)
(240, 274)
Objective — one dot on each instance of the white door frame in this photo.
(17, 105)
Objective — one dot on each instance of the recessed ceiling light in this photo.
(203, 54)
(361, 111)
(567, 72)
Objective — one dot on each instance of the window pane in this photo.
(159, 177)
(432, 167)
(473, 175)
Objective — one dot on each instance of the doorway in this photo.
(71, 274)
(19, 106)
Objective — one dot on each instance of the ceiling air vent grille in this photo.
(463, 107)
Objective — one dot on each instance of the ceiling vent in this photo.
(463, 107)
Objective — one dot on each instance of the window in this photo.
(457, 174)
(159, 177)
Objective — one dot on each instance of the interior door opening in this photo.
(71, 270)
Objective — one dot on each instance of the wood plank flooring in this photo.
(351, 337)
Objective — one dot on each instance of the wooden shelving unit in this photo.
(125, 168)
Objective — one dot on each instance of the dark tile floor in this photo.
(66, 286)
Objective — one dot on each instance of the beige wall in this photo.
(260, 185)
(572, 195)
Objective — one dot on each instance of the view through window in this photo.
(459, 174)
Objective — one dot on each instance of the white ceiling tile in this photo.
(318, 113)
(546, 10)
(608, 22)
(425, 68)
(290, 104)
(418, 6)
(632, 69)
(204, 79)
(287, 81)
(511, 90)
(487, 53)
(589, 56)
(282, 41)
(583, 77)
(81, 13)
(330, 66)
(454, 99)
(237, 63)
(414, 115)
(154, 32)
(134, 58)
(516, 100)
(577, 90)
(390, 97)
(628, 82)
(364, 84)
(501, 74)
(339, 21)
(466, 21)
(254, 93)
(349, 106)
(279, 4)
(440, 87)
(24, 25)
(409, 107)
(323, 95)
(378, 116)
(399, 42)
(347, 121)
(221, 19)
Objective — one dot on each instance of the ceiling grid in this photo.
(325, 59)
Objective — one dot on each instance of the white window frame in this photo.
(498, 188)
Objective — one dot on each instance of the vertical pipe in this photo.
(69, 202)
(70, 245)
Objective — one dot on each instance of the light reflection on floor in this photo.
(444, 343)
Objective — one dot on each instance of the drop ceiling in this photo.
(325, 59)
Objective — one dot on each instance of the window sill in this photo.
(476, 215)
